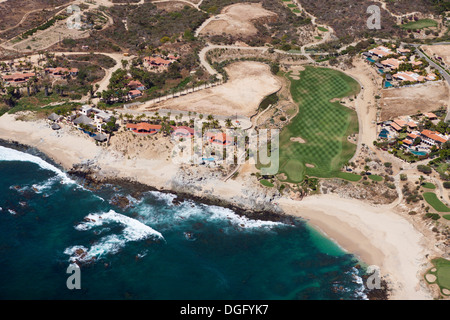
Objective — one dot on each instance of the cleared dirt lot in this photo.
(408, 101)
(442, 51)
(237, 20)
(46, 38)
(249, 83)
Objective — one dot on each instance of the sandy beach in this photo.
(377, 235)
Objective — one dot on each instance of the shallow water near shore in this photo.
(152, 248)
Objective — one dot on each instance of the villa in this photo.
(391, 63)
(134, 94)
(430, 116)
(408, 76)
(381, 52)
(60, 72)
(18, 78)
(183, 132)
(136, 85)
(220, 138)
(403, 51)
(144, 128)
(432, 138)
(157, 61)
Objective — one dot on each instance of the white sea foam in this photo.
(167, 197)
(111, 244)
(7, 154)
(190, 210)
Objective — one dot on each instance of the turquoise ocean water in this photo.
(154, 249)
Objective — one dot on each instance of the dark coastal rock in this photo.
(120, 201)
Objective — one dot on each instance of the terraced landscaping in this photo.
(322, 125)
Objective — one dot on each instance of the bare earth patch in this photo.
(249, 83)
(298, 139)
(238, 19)
(442, 51)
(408, 101)
(309, 165)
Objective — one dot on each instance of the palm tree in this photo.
(228, 123)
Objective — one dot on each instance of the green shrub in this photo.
(433, 216)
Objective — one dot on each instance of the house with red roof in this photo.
(157, 61)
(18, 78)
(220, 138)
(183, 131)
(432, 138)
(143, 128)
(134, 94)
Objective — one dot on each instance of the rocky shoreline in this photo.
(87, 174)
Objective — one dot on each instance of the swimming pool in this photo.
(387, 84)
(418, 153)
(370, 60)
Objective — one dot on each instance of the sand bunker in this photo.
(249, 83)
(430, 277)
(298, 139)
(238, 19)
(309, 165)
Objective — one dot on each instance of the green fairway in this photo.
(266, 183)
(420, 24)
(375, 177)
(428, 185)
(442, 273)
(437, 204)
(323, 125)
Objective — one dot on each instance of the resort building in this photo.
(86, 109)
(54, 117)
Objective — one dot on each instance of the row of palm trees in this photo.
(212, 123)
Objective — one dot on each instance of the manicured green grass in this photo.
(446, 216)
(296, 11)
(420, 24)
(266, 183)
(442, 273)
(324, 125)
(437, 204)
(291, 5)
(375, 177)
(322, 29)
(349, 176)
(428, 185)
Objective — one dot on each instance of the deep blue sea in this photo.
(153, 249)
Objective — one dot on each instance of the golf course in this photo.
(315, 142)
